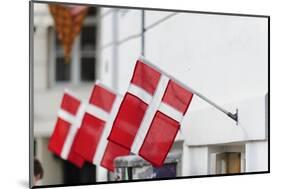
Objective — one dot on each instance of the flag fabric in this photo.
(68, 122)
(144, 121)
(91, 141)
(150, 114)
(68, 22)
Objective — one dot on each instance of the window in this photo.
(226, 159)
(228, 162)
(88, 59)
(82, 65)
(62, 68)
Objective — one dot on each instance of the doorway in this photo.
(228, 162)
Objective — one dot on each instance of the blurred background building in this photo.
(224, 57)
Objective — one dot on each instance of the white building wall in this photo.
(106, 26)
(106, 66)
(219, 128)
(106, 47)
(223, 57)
(217, 64)
(195, 160)
(40, 56)
(128, 52)
(128, 23)
(257, 156)
(128, 49)
(123, 39)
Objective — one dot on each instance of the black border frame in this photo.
(31, 91)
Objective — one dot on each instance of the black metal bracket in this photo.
(234, 116)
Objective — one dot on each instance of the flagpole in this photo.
(229, 114)
(233, 116)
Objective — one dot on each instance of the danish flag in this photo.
(150, 114)
(68, 123)
(91, 142)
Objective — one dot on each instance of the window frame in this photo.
(218, 150)
(76, 56)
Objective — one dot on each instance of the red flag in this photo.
(156, 105)
(67, 125)
(91, 141)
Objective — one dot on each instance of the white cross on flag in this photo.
(150, 114)
(91, 141)
(68, 123)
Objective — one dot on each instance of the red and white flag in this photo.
(68, 122)
(91, 141)
(150, 114)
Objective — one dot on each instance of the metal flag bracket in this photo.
(234, 116)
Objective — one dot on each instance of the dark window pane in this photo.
(88, 69)
(92, 11)
(62, 70)
(58, 44)
(84, 175)
(166, 171)
(88, 38)
(35, 147)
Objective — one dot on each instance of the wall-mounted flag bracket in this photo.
(234, 116)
